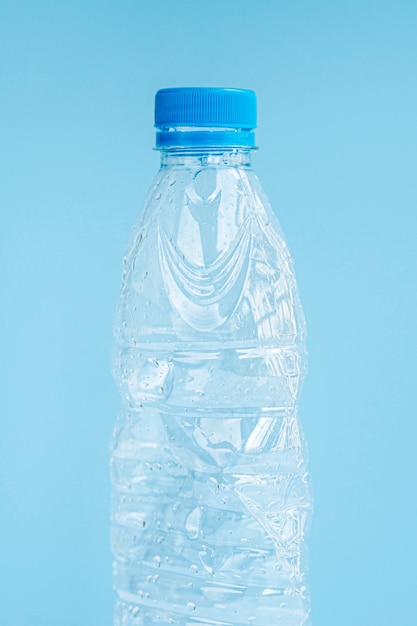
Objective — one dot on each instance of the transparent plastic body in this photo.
(211, 496)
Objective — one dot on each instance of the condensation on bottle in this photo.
(211, 495)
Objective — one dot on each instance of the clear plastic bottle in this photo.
(211, 493)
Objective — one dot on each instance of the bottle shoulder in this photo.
(207, 255)
(207, 200)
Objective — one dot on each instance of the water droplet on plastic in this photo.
(216, 484)
(193, 521)
(191, 606)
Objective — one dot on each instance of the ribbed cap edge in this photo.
(205, 107)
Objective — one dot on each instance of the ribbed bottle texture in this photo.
(211, 497)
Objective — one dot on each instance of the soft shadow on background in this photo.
(337, 92)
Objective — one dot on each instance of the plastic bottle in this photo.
(211, 492)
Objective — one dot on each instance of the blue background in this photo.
(337, 91)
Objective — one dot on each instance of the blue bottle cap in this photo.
(204, 108)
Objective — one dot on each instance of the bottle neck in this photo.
(207, 157)
(205, 146)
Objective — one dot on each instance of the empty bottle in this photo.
(211, 494)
